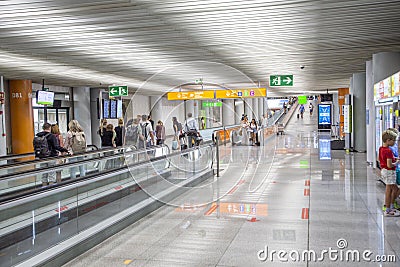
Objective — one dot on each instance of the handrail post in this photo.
(224, 136)
(217, 153)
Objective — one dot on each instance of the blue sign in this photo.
(324, 117)
(240, 93)
(324, 114)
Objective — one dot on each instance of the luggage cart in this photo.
(280, 129)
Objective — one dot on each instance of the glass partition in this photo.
(34, 223)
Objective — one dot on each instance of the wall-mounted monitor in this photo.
(119, 109)
(326, 97)
(113, 109)
(44, 98)
(106, 108)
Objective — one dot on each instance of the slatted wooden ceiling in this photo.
(167, 43)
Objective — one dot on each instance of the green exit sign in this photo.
(281, 80)
(118, 91)
(212, 104)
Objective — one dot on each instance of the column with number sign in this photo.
(21, 114)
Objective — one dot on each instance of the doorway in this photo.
(52, 115)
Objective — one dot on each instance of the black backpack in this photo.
(132, 133)
(144, 130)
(41, 146)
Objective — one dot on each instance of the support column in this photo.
(156, 109)
(228, 112)
(255, 109)
(384, 65)
(260, 108)
(359, 96)
(248, 108)
(82, 110)
(239, 110)
(370, 111)
(3, 140)
(95, 119)
(21, 111)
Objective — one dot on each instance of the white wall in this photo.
(171, 109)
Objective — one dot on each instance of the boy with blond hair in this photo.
(388, 171)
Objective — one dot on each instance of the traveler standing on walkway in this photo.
(108, 141)
(191, 129)
(133, 133)
(388, 172)
(120, 132)
(75, 142)
(160, 133)
(46, 145)
(56, 131)
(147, 132)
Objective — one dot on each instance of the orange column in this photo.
(21, 113)
(341, 93)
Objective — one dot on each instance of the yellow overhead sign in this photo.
(238, 93)
(206, 94)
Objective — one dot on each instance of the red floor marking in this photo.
(307, 183)
(254, 219)
(62, 208)
(232, 190)
(211, 210)
(306, 192)
(118, 187)
(304, 213)
(241, 182)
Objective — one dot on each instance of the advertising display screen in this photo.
(383, 89)
(45, 98)
(324, 116)
(396, 84)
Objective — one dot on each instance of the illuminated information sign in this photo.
(206, 94)
(324, 116)
(241, 93)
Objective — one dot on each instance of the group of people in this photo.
(248, 131)
(390, 172)
(50, 143)
(139, 132)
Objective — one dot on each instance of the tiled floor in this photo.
(303, 202)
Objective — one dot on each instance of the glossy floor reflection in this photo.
(293, 194)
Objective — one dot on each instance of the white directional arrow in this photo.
(287, 80)
(113, 91)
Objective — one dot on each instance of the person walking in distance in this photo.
(311, 108)
(301, 110)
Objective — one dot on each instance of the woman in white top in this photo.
(245, 129)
